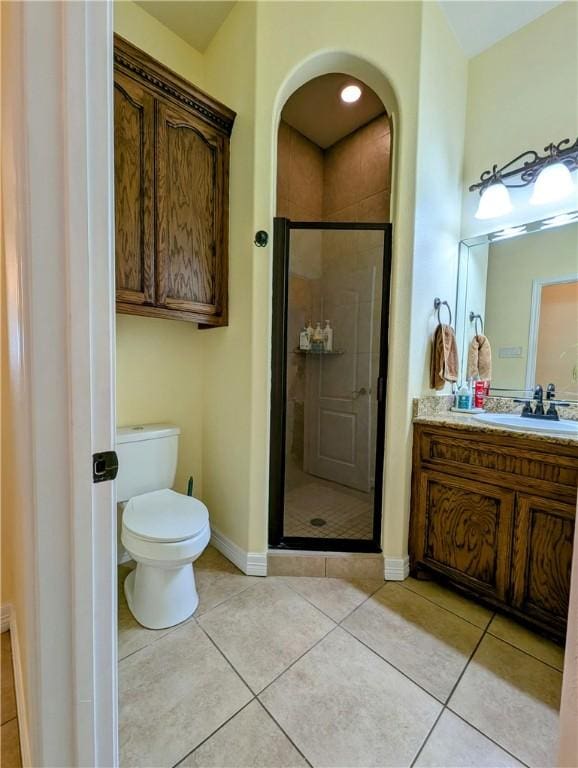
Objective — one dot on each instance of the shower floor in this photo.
(347, 514)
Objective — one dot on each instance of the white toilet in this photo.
(163, 531)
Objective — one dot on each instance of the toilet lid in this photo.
(165, 516)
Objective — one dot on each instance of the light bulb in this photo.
(494, 202)
(554, 182)
(350, 94)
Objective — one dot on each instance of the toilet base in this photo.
(161, 597)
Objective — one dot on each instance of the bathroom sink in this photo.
(512, 421)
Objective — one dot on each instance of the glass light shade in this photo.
(494, 202)
(554, 182)
(350, 94)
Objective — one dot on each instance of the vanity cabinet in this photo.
(171, 193)
(494, 514)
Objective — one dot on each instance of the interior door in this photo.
(340, 387)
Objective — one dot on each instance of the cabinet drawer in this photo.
(542, 558)
(463, 530)
(501, 460)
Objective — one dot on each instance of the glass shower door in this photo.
(333, 382)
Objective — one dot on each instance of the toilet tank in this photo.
(147, 458)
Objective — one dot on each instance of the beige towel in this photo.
(444, 357)
(480, 358)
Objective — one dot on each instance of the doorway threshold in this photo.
(320, 563)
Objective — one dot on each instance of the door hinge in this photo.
(104, 466)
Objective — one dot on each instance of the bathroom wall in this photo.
(521, 95)
(159, 363)
(229, 394)
(300, 198)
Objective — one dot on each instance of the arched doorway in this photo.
(329, 353)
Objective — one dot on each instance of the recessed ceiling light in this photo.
(350, 94)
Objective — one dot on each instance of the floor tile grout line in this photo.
(389, 663)
(223, 724)
(229, 662)
(278, 724)
(489, 738)
(527, 653)
(433, 602)
(321, 609)
(451, 693)
(262, 691)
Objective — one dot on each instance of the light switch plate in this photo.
(510, 352)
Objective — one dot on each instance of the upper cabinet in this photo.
(171, 193)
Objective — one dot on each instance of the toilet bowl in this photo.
(164, 532)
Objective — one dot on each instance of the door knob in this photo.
(358, 392)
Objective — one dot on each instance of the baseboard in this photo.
(395, 568)
(8, 619)
(251, 563)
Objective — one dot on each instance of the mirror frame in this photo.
(505, 233)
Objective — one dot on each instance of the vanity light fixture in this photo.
(553, 183)
(350, 94)
(550, 172)
(494, 201)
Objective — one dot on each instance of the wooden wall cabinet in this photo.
(494, 515)
(171, 193)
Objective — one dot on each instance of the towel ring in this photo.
(474, 319)
(438, 305)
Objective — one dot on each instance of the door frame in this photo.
(535, 305)
(57, 210)
(278, 426)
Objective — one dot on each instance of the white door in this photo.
(57, 203)
(340, 402)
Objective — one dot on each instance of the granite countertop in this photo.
(465, 421)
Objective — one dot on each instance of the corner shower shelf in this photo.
(313, 353)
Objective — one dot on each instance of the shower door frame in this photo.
(278, 426)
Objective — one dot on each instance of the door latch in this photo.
(104, 466)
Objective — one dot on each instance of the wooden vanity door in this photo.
(465, 531)
(133, 191)
(191, 222)
(543, 538)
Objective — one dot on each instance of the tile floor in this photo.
(348, 514)
(9, 737)
(298, 671)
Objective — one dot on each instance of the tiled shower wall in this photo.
(349, 181)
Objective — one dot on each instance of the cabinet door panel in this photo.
(466, 531)
(133, 191)
(191, 168)
(543, 537)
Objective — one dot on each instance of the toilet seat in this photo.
(164, 517)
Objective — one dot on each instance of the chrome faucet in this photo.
(538, 413)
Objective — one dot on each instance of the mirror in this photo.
(519, 287)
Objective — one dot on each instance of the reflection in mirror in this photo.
(525, 291)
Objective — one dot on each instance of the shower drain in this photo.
(318, 522)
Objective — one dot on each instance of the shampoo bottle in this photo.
(328, 336)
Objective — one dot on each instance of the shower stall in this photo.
(329, 369)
